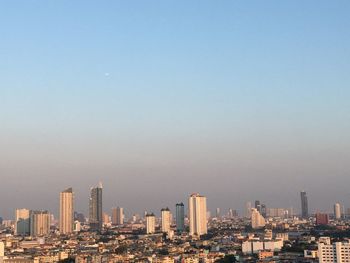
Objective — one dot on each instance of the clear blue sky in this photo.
(238, 100)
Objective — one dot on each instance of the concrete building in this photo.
(39, 223)
(117, 216)
(180, 217)
(197, 206)
(337, 211)
(22, 224)
(166, 220)
(304, 205)
(338, 252)
(258, 221)
(66, 211)
(150, 223)
(255, 246)
(321, 219)
(95, 208)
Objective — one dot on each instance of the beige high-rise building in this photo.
(166, 220)
(258, 221)
(197, 206)
(337, 211)
(117, 216)
(150, 223)
(39, 223)
(22, 224)
(66, 222)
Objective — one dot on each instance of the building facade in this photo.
(66, 211)
(95, 208)
(197, 206)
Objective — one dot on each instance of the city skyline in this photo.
(233, 100)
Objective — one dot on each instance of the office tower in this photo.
(166, 219)
(218, 212)
(263, 210)
(304, 205)
(258, 221)
(180, 217)
(197, 206)
(257, 205)
(338, 252)
(117, 216)
(95, 208)
(248, 210)
(22, 224)
(105, 219)
(321, 219)
(39, 223)
(66, 211)
(150, 223)
(337, 211)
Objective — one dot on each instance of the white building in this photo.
(166, 220)
(254, 246)
(197, 205)
(258, 221)
(150, 223)
(338, 252)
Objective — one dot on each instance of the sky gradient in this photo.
(237, 100)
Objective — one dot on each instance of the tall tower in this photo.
(39, 223)
(95, 208)
(150, 223)
(118, 216)
(166, 220)
(180, 217)
(66, 211)
(304, 205)
(22, 225)
(337, 211)
(197, 206)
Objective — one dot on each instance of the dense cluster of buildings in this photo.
(263, 234)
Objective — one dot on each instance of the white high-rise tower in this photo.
(197, 206)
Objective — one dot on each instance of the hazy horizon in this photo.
(235, 100)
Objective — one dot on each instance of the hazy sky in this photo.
(237, 100)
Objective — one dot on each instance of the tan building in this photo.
(258, 221)
(117, 216)
(150, 223)
(166, 220)
(66, 222)
(197, 206)
(39, 223)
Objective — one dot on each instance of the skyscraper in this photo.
(22, 224)
(304, 205)
(257, 205)
(39, 223)
(180, 217)
(197, 206)
(66, 211)
(150, 223)
(95, 208)
(117, 216)
(166, 220)
(337, 211)
(258, 220)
